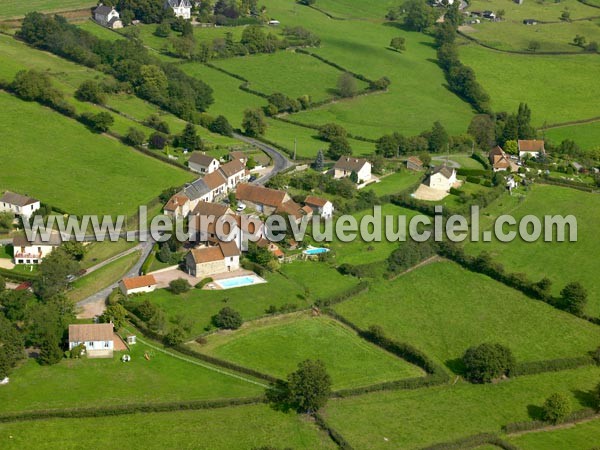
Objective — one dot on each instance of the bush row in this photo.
(552, 365)
(529, 425)
(403, 384)
(358, 76)
(474, 441)
(482, 160)
(149, 259)
(566, 183)
(473, 172)
(360, 288)
(102, 411)
(335, 436)
(17, 276)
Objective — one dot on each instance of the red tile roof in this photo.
(315, 201)
(91, 332)
(260, 195)
(138, 282)
(531, 145)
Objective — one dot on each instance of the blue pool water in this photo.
(237, 282)
(316, 251)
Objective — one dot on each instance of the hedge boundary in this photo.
(531, 425)
(335, 436)
(473, 441)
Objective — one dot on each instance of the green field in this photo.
(587, 136)
(357, 10)
(558, 90)
(83, 173)
(276, 346)
(443, 309)
(395, 183)
(414, 419)
(17, 8)
(576, 437)
(97, 252)
(108, 382)
(562, 262)
(242, 428)
(466, 161)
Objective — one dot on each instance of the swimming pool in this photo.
(235, 282)
(315, 251)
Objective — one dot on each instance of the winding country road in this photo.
(280, 161)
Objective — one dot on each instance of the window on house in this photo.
(90, 344)
(106, 344)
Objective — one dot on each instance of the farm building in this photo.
(206, 261)
(414, 163)
(346, 165)
(263, 199)
(18, 204)
(137, 285)
(531, 148)
(97, 338)
(108, 17)
(177, 206)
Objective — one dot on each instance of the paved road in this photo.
(280, 161)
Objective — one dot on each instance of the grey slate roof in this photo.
(178, 3)
(196, 189)
(444, 170)
(16, 199)
(103, 10)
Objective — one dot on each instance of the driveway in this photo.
(164, 278)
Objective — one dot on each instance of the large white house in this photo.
(203, 163)
(137, 285)
(97, 338)
(32, 252)
(346, 165)
(108, 16)
(18, 204)
(181, 8)
(206, 261)
(442, 178)
(235, 172)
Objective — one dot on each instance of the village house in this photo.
(238, 156)
(263, 199)
(97, 338)
(293, 210)
(500, 161)
(33, 252)
(18, 204)
(202, 163)
(206, 261)
(414, 163)
(346, 165)
(181, 8)
(235, 172)
(442, 178)
(531, 148)
(108, 17)
(137, 285)
(320, 206)
(177, 206)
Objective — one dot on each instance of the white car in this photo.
(240, 207)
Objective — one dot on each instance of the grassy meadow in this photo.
(587, 135)
(417, 418)
(443, 309)
(575, 437)
(395, 182)
(17, 8)
(242, 427)
(276, 346)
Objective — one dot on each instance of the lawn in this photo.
(395, 182)
(276, 346)
(17, 8)
(443, 309)
(562, 262)
(559, 90)
(103, 277)
(543, 10)
(466, 161)
(290, 73)
(97, 252)
(84, 173)
(416, 418)
(587, 136)
(107, 382)
(576, 437)
(253, 301)
(242, 427)
(353, 10)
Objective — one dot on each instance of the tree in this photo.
(387, 146)
(228, 318)
(164, 254)
(454, 15)
(309, 387)
(76, 250)
(482, 128)
(574, 298)
(592, 47)
(331, 131)
(354, 177)
(565, 16)
(346, 85)
(596, 396)
(163, 30)
(254, 123)
(579, 41)
(175, 336)
(155, 122)
(533, 46)
(134, 137)
(2, 284)
(418, 15)
(50, 351)
(189, 138)
(11, 347)
(525, 130)
(511, 147)
(90, 91)
(339, 147)
(158, 140)
(221, 126)
(53, 272)
(179, 286)
(100, 122)
(6, 220)
(556, 408)
(307, 2)
(438, 138)
(319, 162)
(487, 362)
(114, 314)
(425, 159)
(398, 44)
(183, 46)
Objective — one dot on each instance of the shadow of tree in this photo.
(535, 412)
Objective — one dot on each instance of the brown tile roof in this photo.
(201, 159)
(91, 332)
(138, 282)
(349, 163)
(250, 225)
(414, 160)
(21, 240)
(531, 145)
(315, 201)
(214, 179)
(233, 168)
(207, 254)
(238, 156)
(16, 199)
(229, 249)
(444, 170)
(211, 209)
(307, 210)
(290, 208)
(260, 195)
(496, 151)
(176, 201)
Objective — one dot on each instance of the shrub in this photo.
(556, 408)
(203, 283)
(90, 91)
(179, 286)
(134, 137)
(487, 362)
(472, 179)
(228, 318)
(573, 298)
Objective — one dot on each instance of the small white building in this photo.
(97, 338)
(344, 167)
(320, 206)
(33, 252)
(137, 285)
(203, 163)
(531, 148)
(108, 17)
(206, 261)
(442, 178)
(181, 8)
(18, 204)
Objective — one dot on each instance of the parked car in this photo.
(240, 207)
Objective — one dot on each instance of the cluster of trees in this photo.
(435, 140)
(254, 122)
(279, 103)
(417, 14)
(411, 254)
(487, 362)
(337, 136)
(581, 41)
(32, 85)
(127, 60)
(227, 318)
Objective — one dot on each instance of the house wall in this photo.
(96, 349)
(438, 181)
(141, 290)
(214, 165)
(364, 174)
(26, 210)
(185, 13)
(32, 254)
